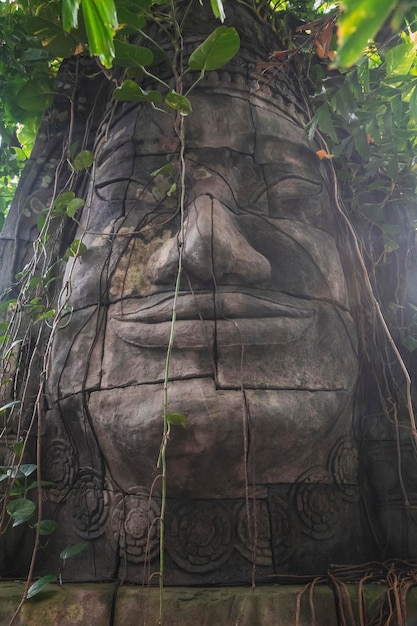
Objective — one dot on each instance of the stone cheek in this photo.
(130, 276)
(288, 353)
(76, 353)
(123, 341)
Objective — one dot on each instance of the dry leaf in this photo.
(280, 55)
(322, 154)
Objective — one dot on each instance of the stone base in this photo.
(108, 604)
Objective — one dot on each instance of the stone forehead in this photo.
(247, 123)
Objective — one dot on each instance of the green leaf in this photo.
(128, 55)
(218, 9)
(397, 109)
(392, 167)
(217, 50)
(84, 159)
(39, 585)
(11, 470)
(363, 74)
(9, 405)
(131, 20)
(343, 101)
(100, 23)
(400, 59)
(358, 24)
(168, 168)
(413, 105)
(172, 190)
(130, 91)
(324, 121)
(17, 447)
(21, 510)
(28, 468)
(3, 339)
(53, 37)
(63, 200)
(5, 305)
(36, 95)
(70, 14)
(106, 10)
(360, 140)
(74, 206)
(41, 222)
(35, 54)
(46, 526)
(46, 315)
(176, 419)
(35, 281)
(178, 102)
(77, 248)
(35, 484)
(71, 551)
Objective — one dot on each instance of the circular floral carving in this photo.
(318, 504)
(344, 466)
(200, 536)
(134, 525)
(59, 467)
(283, 525)
(254, 534)
(90, 504)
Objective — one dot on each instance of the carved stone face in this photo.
(264, 356)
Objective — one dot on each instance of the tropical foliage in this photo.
(36, 35)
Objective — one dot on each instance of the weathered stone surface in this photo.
(261, 607)
(88, 605)
(77, 367)
(234, 132)
(110, 605)
(137, 411)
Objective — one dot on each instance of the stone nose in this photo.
(214, 249)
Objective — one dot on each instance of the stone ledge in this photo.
(107, 604)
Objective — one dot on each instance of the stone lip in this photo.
(240, 318)
(223, 304)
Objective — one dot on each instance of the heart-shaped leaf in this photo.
(178, 102)
(128, 55)
(130, 91)
(217, 50)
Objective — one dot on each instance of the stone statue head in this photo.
(210, 287)
(224, 241)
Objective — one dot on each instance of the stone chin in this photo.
(287, 431)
